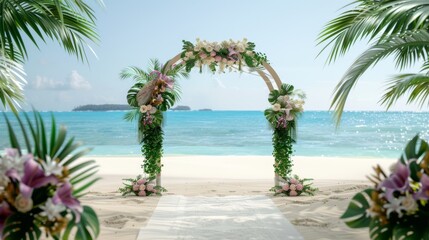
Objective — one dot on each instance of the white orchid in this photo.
(51, 167)
(52, 211)
(395, 205)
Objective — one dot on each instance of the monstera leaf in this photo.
(87, 228)
(412, 156)
(20, 226)
(355, 215)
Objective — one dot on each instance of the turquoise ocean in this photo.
(361, 134)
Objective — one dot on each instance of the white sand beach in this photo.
(315, 217)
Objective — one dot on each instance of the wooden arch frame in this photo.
(271, 79)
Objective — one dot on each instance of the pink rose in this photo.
(150, 187)
(293, 193)
(136, 187)
(292, 187)
(299, 187)
(213, 53)
(218, 58)
(142, 187)
(203, 55)
(23, 204)
(286, 187)
(141, 181)
(293, 180)
(279, 190)
(154, 191)
(142, 193)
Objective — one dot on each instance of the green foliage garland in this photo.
(282, 143)
(151, 148)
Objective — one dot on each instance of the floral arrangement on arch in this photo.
(286, 107)
(220, 56)
(397, 206)
(42, 193)
(154, 92)
(294, 186)
(140, 186)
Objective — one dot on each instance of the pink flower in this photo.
(64, 196)
(299, 187)
(293, 180)
(136, 187)
(154, 191)
(23, 204)
(293, 193)
(279, 190)
(141, 181)
(292, 187)
(286, 187)
(142, 193)
(142, 187)
(150, 187)
(218, 58)
(203, 55)
(213, 53)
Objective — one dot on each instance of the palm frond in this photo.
(135, 73)
(375, 20)
(12, 82)
(417, 85)
(374, 54)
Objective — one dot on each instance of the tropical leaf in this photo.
(87, 228)
(356, 215)
(12, 81)
(20, 226)
(370, 57)
(380, 231)
(417, 85)
(397, 28)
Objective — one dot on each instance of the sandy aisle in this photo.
(315, 217)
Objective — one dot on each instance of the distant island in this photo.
(205, 110)
(102, 107)
(181, 108)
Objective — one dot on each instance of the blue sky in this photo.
(134, 31)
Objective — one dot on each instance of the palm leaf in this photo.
(370, 57)
(417, 85)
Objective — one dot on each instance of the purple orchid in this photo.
(282, 122)
(4, 214)
(64, 196)
(398, 180)
(423, 193)
(169, 83)
(33, 177)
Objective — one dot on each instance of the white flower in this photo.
(249, 53)
(144, 108)
(152, 110)
(209, 48)
(23, 204)
(240, 47)
(189, 54)
(394, 205)
(410, 204)
(289, 117)
(51, 210)
(276, 107)
(51, 167)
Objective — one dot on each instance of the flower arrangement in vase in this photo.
(40, 185)
(397, 206)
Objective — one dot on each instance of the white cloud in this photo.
(77, 82)
(74, 82)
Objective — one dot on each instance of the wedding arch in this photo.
(153, 94)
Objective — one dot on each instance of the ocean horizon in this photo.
(362, 134)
